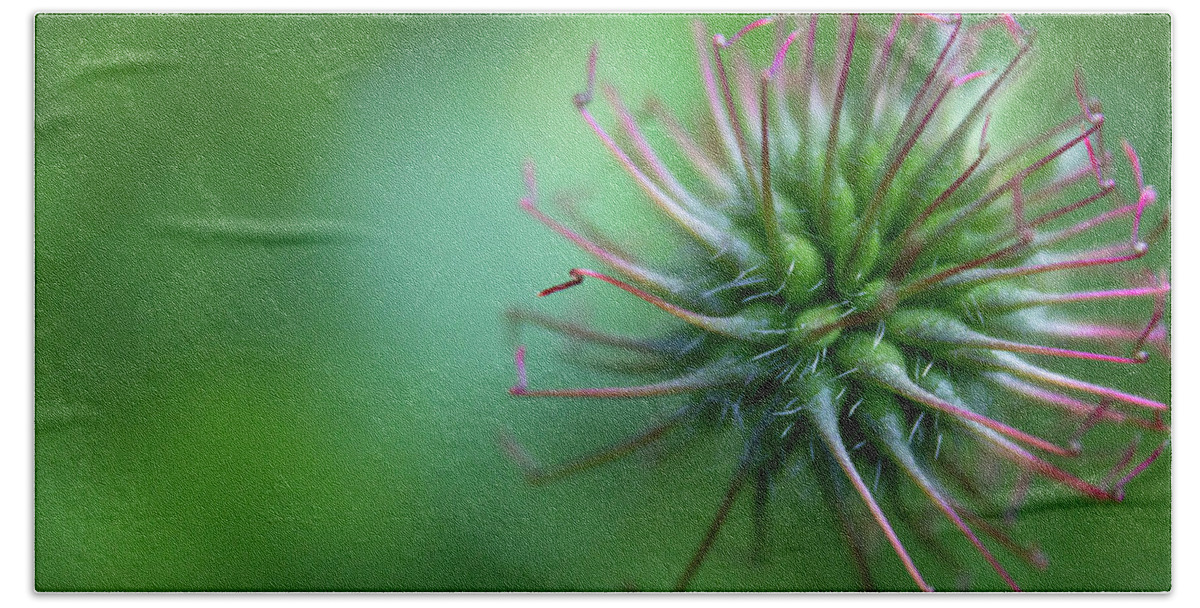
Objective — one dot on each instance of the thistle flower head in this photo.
(878, 288)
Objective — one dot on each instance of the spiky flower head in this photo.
(877, 288)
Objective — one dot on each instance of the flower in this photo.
(881, 289)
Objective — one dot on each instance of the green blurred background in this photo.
(272, 257)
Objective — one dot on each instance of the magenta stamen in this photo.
(826, 420)
(1100, 181)
(697, 380)
(885, 58)
(873, 209)
(875, 83)
(718, 43)
(965, 78)
(834, 121)
(1019, 367)
(1031, 554)
(894, 378)
(685, 384)
(936, 18)
(704, 165)
(1119, 488)
(715, 102)
(1042, 467)
(903, 454)
(1081, 296)
(950, 142)
(569, 207)
(930, 281)
(921, 396)
(1038, 140)
(575, 280)
(537, 474)
(1125, 459)
(1137, 164)
(1089, 423)
(630, 269)
(1084, 226)
(970, 534)
(789, 135)
(1033, 349)
(1100, 257)
(908, 255)
(993, 195)
(745, 78)
(735, 486)
(1014, 29)
(806, 87)
(965, 336)
(1081, 96)
(1147, 197)
(1074, 406)
(734, 327)
(1033, 298)
(1146, 194)
(770, 220)
(780, 55)
(1066, 329)
(717, 241)
(646, 152)
(1061, 211)
(522, 378)
(1074, 177)
(924, 85)
(914, 106)
(1043, 161)
(586, 334)
(1049, 191)
(907, 58)
(753, 25)
(1160, 303)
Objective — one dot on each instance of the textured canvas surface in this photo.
(282, 271)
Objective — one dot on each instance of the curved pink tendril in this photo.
(965, 78)
(780, 55)
(719, 39)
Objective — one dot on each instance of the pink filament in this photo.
(698, 380)
(827, 424)
(735, 327)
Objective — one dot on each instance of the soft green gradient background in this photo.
(272, 253)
